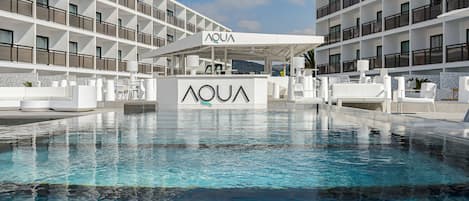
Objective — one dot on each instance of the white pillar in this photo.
(291, 79)
(213, 61)
(225, 59)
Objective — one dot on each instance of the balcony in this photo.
(106, 28)
(16, 53)
(128, 3)
(144, 68)
(126, 33)
(144, 8)
(159, 14)
(427, 56)
(80, 21)
(122, 66)
(49, 13)
(396, 21)
(371, 27)
(350, 66)
(190, 27)
(144, 38)
(158, 42)
(350, 33)
(107, 64)
(158, 69)
(457, 52)
(425, 13)
(175, 21)
(456, 4)
(23, 7)
(51, 57)
(328, 68)
(332, 38)
(348, 3)
(396, 60)
(328, 9)
(375, 62)
(81, 61)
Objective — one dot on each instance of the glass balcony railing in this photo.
(107, 64)
(350, 33)
(372, 27)
(159, 14)
(396, 21)
(425, 13)
(350, 66)
(144, 68)
(51, 57)
(375, 62)
(348, 3)
(328, 68)
(81, 21)
(126, 33)
(144, 8)
(396, 60)
(144, 38)
(159, 42)
(122, 66)
(128, 3)
(427, 56)
(457, 52)
(23, 7)
(81, 61)
(106, 28)
(332, 37)
(49, 13)
(16, 53)
(456, 4)
(328, 9)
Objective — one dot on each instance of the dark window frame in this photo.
(12, 38)
(437, 36)
(70, 5)
(408, 46)
(70, 45)
(43, 37)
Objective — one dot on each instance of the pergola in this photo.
(225, 46)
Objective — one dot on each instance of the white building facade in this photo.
(407, 37)
(92, 38)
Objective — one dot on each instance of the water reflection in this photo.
(172, 154)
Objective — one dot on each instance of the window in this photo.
(358, 22)
(6, 37)
(138, 57)
(73, 9)
(436, 41)
(119, 22)
(43, 2)
(119, 55)
(379, 16)
(334, 59)
(99, 52)
(405, 7)
(467, 35)
(436, 2)
(404, 47)
(334, 29)
(73, 47)
(99, 17)
(170, 38)
(357, 54)
(170, 13)
(379, 51)
(42, 42)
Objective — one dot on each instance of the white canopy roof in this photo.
(242, 46)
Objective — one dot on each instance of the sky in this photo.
(264, 16)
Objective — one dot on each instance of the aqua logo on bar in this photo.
(220, 38)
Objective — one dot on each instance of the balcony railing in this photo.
(175, 21)
(457, 52)
(23, 7)
(144, 68)
(348, 3)
(128, 3)
(190, 27)
(158, 69)
(81, 61)
(159, 42)
(396, 21)
(328, 9)
(80, 21)
(144, 8)
(126, 33)
(332, 37)
(122, 66)
(425, 13)
(49, 13)
(427, 56)
(51, 57)
(371, 27)
(350, 33)
(396, 60)
(456, 4)
(16, 53)
(108, 64)
(375, 62)
(106, 28)
(159, 14)
(144, 38)
(328, 68)
(350, 66)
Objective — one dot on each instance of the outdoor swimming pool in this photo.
(229, 155)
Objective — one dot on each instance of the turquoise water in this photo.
(257, 154)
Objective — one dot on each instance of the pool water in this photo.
(231, 155)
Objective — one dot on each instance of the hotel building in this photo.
(92, 38)
(404, 36)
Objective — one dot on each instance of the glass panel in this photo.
(170, 12)
(42, 42)
(73, 47)
(98, 52)
(467, 35)
(99, 17)
(357, 56)
(436, 41)
(379, 15)
(404, 7)
(6, 37)
(405, 46)
(43, 2)
(73, 9)
(119, 22)
(379, 50)
(119, 55)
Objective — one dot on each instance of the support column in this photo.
(291, 78)
(225, 59)
(213, 61)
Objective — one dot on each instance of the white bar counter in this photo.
(212, 92)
